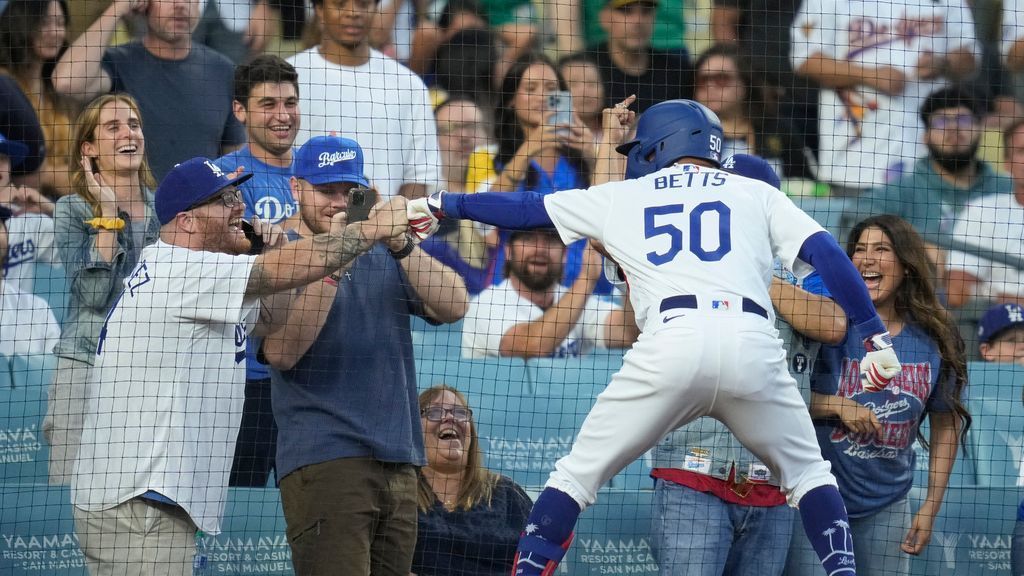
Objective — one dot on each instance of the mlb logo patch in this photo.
(719, 304)
(690, 168)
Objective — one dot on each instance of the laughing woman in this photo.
(868, 437)
(469, 517)
(99, 231)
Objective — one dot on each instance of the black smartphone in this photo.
(360, 202)
(256, 243)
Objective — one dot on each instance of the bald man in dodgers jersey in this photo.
(696, 244)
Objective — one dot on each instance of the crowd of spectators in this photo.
(883, 108)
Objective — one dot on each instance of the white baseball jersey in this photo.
(27, 325)
(383, 106)
(868, 137)
(994, 222)
(166, 391)
(30, 240)
(687, 229)
(498, 308)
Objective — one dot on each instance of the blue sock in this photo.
(549, 526)
(828, 528)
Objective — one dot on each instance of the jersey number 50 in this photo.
(653, 230)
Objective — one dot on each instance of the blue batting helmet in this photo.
(669, 131)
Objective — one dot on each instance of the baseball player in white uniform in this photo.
(696, 244)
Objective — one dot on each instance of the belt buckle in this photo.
(743, 487)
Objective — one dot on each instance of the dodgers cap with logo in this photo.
(190, 183)
(752, 166)
(329, 159)
(998, 318)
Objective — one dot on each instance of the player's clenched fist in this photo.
(424, 215)
(880, 364)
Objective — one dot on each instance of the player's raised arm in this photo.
(509, 210)
(821, 251)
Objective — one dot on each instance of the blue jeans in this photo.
(697, 534)
(876, 544)
(1017, 549)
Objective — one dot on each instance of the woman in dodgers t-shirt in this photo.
(868, 436)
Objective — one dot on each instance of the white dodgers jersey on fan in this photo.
(687, 229)
(869, 137)
(167, 387)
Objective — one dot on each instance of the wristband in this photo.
(106, 223)
(410, 245)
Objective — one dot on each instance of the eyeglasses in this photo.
(644, 8)
(717, 78)
(960, 121)
(446, 128)
(437, 413)
(229, 198)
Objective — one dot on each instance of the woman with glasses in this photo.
(725, 83)
(469, 517)
(99, 231)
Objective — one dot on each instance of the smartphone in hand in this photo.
(256, 244)
(360, 202)
(559, 102)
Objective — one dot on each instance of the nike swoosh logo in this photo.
(667, 320)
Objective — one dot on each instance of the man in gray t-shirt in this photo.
(183, 88)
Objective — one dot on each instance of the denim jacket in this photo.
(94, 283)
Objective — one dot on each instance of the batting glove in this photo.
(424, 216)
(880, 365)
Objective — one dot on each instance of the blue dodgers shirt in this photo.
(875, 471)
(268, 196)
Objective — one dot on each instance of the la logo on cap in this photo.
(214, 168)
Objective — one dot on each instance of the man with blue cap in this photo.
(168, 380)
(344, 382)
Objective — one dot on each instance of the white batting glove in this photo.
(880, 365)
(424, 216)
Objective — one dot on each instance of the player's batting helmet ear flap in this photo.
(671, 130)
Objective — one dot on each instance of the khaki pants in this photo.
(351, 517)
(65, 415)
(137, 538)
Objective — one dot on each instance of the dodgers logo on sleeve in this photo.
(241, 335)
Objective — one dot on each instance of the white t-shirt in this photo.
(381, 105)
(994, 222)
(498, 308)
(687, 229)
(29, 240)
(868, 137)
(166, 391)
(27, 325)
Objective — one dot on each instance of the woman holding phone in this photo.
(534, 152)
(99, 232)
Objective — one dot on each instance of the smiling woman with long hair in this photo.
(99, 232)
(868, 437)
(469, 517)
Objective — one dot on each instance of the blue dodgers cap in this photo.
(14, 150)
(997, 319)
(752, 166)
(189, 183)
(328, 159)
(5, 214)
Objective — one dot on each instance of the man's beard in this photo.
(954, 162)
(536, 282)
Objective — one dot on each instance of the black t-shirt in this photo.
(668, 77)
(477, 542)
(18, 122)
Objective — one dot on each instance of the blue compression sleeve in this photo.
(509, 210)
(843, 281)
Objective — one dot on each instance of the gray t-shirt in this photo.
(185, 104)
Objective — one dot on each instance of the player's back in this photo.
(688, 229)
